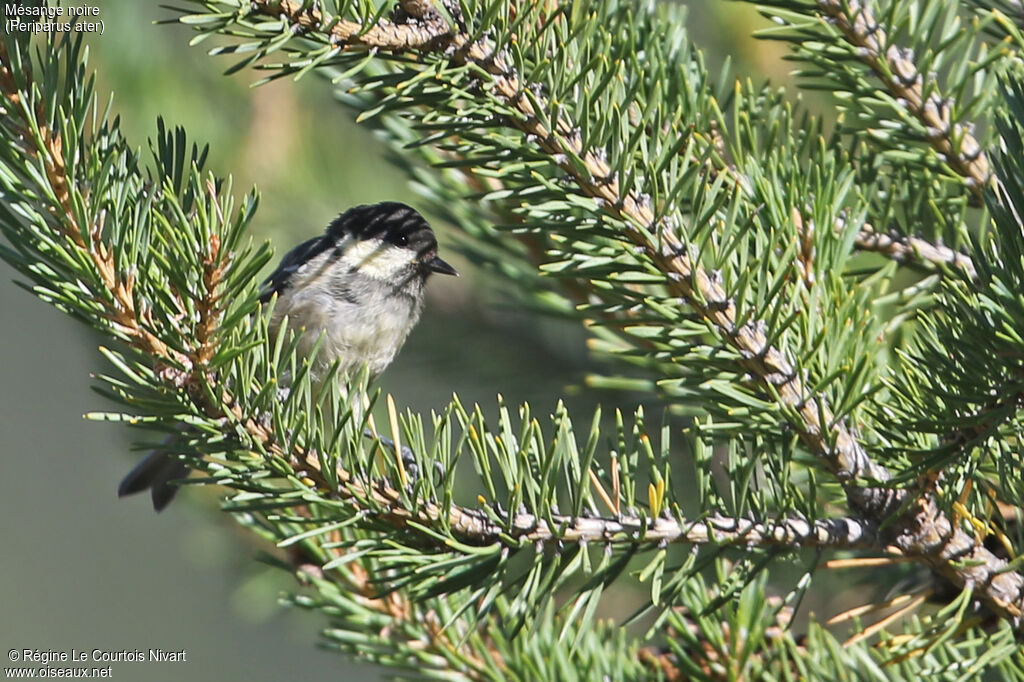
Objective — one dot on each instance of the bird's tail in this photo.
(157, 471)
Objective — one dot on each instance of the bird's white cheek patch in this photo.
(374, 258)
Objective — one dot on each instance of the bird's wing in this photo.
(293, 261)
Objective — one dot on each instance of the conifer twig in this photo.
(124, 314)
(186, 370)
(912, 250)
(477, 527)
(922, 530)
(899, 74)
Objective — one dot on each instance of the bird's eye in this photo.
(400, 240)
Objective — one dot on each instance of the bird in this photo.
(360, 285)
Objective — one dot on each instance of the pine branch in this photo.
(250, 433)
(114, 300)
(911, 250)
(905, 131)
(415, 579)
(896, 69)
(117, 291)
(921, 531)
(485, 527)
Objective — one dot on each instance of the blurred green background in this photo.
(80, 568)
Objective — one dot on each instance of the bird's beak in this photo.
(435, 264)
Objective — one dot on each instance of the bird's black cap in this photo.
(395, 223)
(389, 221)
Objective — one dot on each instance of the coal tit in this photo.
(360, 285)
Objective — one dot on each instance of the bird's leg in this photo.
(408, 458)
